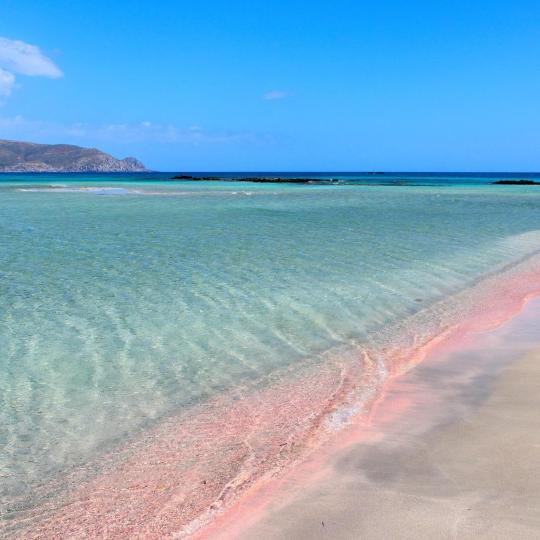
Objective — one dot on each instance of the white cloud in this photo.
(274, 95)
(18, 127)
(20, 57)
(162, 133)
(13, 122)
(24, 59)
(7, 81)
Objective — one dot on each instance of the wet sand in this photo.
(453, 451)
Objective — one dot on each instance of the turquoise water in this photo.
(124, 301)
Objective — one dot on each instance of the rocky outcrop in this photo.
(16, 156)
(516, 183)
(256, 179)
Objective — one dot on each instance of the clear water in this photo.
(129, 301)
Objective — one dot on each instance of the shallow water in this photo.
(123, 303)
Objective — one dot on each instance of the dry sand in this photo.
(463, 461)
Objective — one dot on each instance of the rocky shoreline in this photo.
(516, 183)
(257, 179)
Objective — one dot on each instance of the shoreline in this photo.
(154, 493)
(450, 452)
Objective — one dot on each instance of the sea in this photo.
(181, 341)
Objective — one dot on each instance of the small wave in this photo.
(62, 188)
(528, 241)
(113, 190)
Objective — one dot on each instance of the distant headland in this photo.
(27, 157)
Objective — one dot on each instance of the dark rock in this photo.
(258, 179)
(516, 183)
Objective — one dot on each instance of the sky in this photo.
(274, 85)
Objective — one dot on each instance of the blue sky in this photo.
(278, 85)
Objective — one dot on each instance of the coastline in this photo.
(450, 452)
(171, 483)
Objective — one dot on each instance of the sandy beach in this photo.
(453, 451)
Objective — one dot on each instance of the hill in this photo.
(16, 156)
